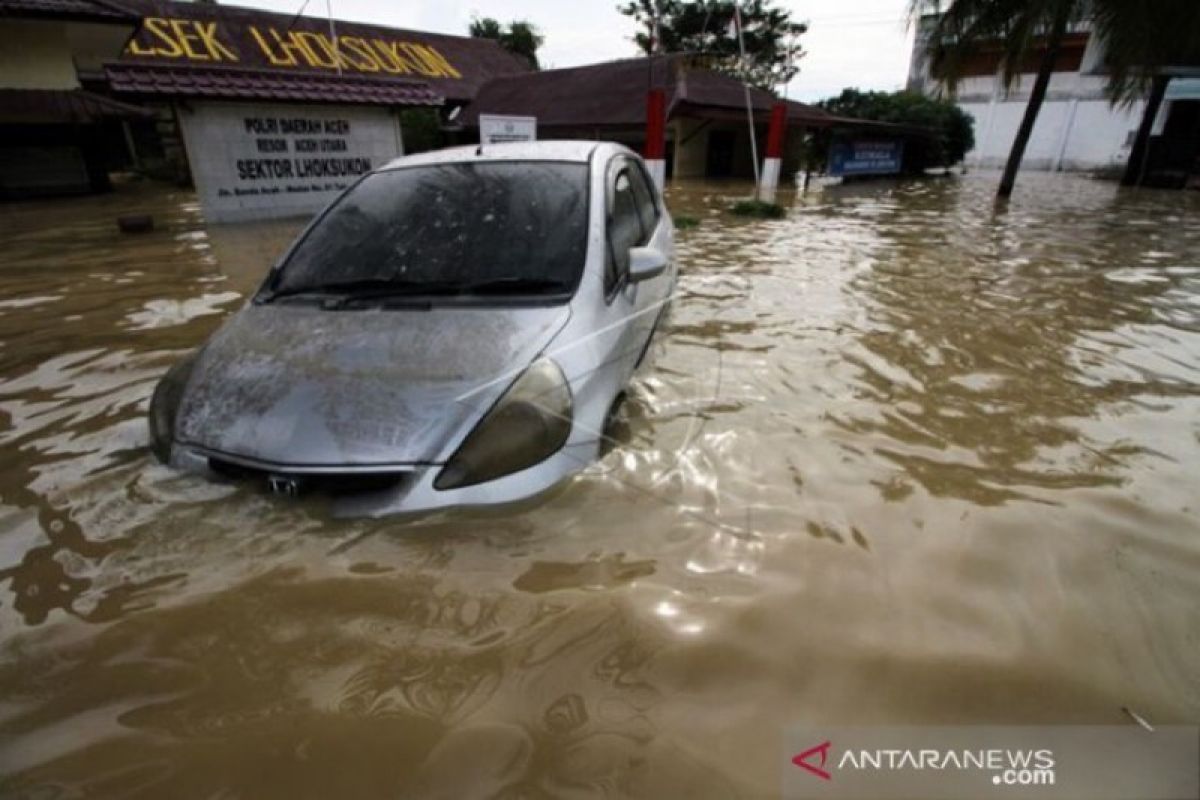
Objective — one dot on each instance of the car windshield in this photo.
(448, 229)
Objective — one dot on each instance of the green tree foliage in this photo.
(1140, 38)
(422, 128)
(521, 38)
(955, 129)
(703, 27)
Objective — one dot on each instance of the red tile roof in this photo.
(84, 10)
(706, 88)
(234, 83)
(613, 94)
(46, 105)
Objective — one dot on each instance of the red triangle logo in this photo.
(802, 760)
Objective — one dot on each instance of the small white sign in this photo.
(498, 129)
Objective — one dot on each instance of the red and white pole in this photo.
(774, 157)
(656, 136)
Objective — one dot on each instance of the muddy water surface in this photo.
(902, 457)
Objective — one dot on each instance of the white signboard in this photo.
(498, 129)
(258, 161)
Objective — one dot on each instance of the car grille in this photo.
(295, 484)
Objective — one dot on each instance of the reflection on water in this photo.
(902, 457)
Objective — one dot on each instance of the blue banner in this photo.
(866, 157)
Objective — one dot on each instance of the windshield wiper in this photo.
(342, 294)
(382, 299)
(512, 283)
(365, 289)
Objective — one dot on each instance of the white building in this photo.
(1077, 127)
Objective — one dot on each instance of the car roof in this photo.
(565, 150)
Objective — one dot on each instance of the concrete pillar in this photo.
(774, 154)
(655, 151)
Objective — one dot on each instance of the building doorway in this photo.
(720, 154)
(1181, 139)
(1174, 158)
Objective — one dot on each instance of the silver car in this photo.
(456, 329)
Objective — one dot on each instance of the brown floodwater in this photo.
(903, 457)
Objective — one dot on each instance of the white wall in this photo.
(1063, 86)
(1070, 134)
(1077, 128)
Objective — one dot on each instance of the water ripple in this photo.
(904, 456)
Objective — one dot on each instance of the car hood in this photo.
(298, 385)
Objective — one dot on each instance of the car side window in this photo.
(643, 195)
(624, 228)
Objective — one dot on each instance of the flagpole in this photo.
(737, 21)
(655, 149)
(337, 54)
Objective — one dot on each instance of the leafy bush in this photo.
(757, 208)
(421, 129)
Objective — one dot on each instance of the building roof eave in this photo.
(240, 83)
(68, 106)
(95, 11)
(722, 112)
(614, 92)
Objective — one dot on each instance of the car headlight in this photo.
(528, 424)
(164, 405)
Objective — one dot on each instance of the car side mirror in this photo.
(646, 263)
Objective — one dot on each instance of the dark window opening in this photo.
(624, 228)
(644, 198)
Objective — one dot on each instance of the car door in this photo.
(624, 232)
(658, 235)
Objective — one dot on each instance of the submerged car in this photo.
(457, 328)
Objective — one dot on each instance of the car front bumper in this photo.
(383, 489)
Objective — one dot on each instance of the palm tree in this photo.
(1140, 40)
